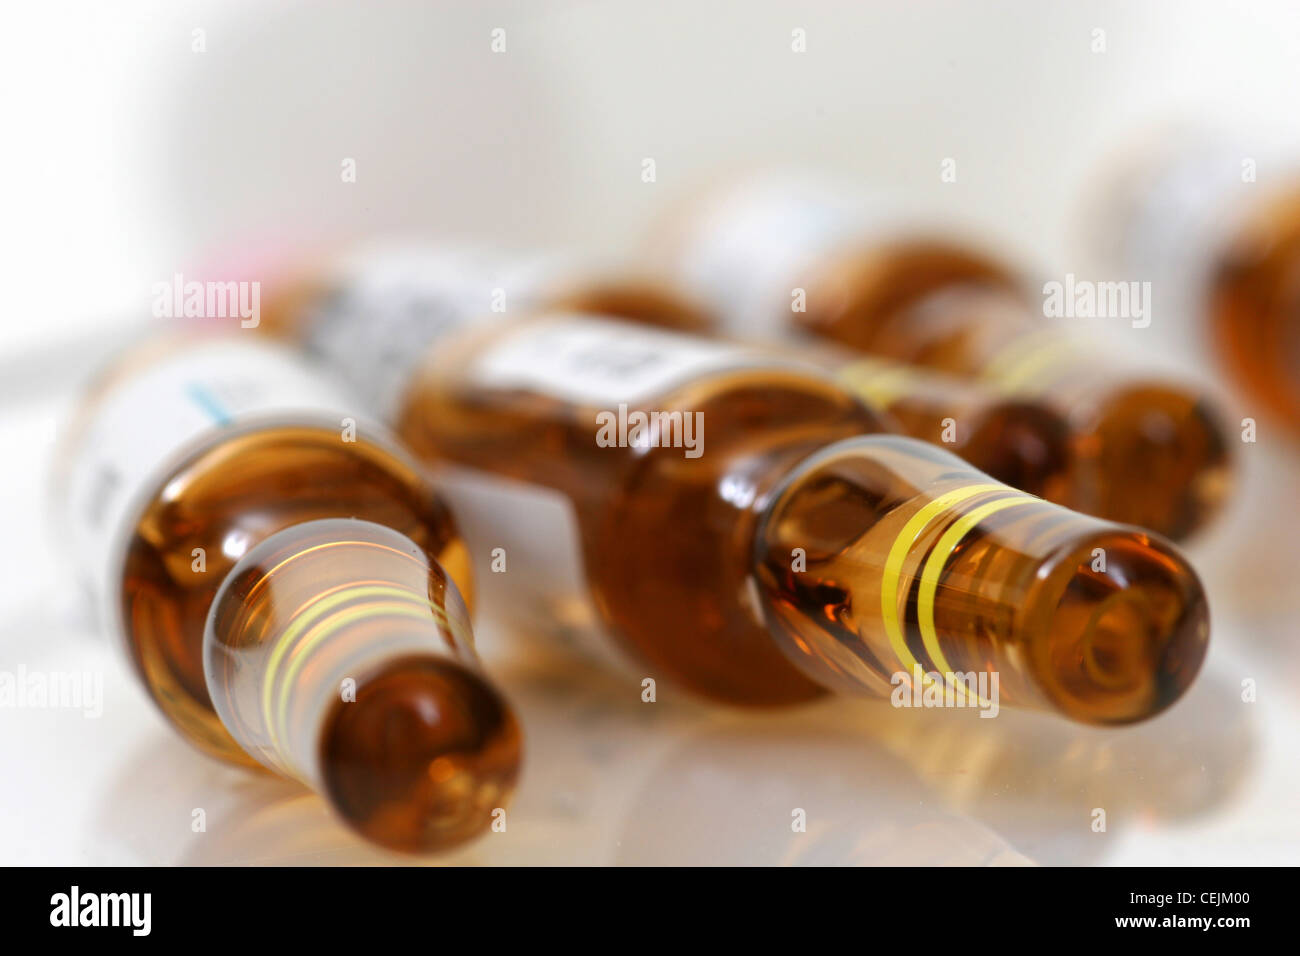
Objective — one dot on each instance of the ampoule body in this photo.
(194, 463)
(1020, 442)
(1213, 223)
(779, 256)
(749, 542)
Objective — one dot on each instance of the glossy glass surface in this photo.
(339, 653)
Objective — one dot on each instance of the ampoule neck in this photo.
(338, 652)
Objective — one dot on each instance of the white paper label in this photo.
(389, 306)
(143, 426)
(391, 303)
(600, 362)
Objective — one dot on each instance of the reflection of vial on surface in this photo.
(673, 535)
(720, 795)
(1218, 231)
(199, 462)
(1146, 450)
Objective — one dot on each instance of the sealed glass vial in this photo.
(1019, 442)
(712, 515)
(247, 545)
(1216, 230)
(768, 256)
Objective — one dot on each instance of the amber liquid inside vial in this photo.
(1254, 306)
(1020, 442)
(236, 491)
(339, 653)
(1145, 451)
(683, 554)
(665, 539)
(264, 487)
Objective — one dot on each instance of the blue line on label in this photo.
(208, 402)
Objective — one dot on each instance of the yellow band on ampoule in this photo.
(406, 605)
(880, 384)
(897, 556)
(930, 575)
(1024, 363)
(317, 621)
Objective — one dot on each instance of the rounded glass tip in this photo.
(1124, 624)
(424, 758)
(1160, 460)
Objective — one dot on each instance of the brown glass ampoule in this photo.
(1254, 304)
(641, 538)
(1146, 450)
(917, 564)
(1019, 442)
(198, 458)
(1215, 227)
(781, 559)
(419, 751)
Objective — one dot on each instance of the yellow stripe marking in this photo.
(934, 566)
(898, 553)
(309, 622)
(413, 610)
(879, 383)
(1026, 361)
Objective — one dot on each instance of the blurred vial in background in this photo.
(1214, 224)
(784, 255)
(1023, 443)
(780, 556)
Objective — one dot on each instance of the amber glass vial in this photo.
(783, 559)
(1254, 304)
(418, 751)
(1217, 235)
(207, 469)
(424, 280)
(1145, 450)
(1019, 442)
